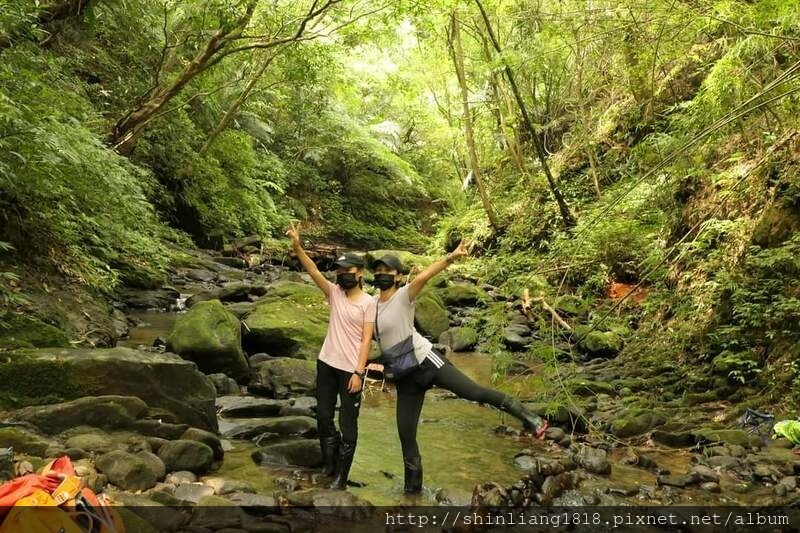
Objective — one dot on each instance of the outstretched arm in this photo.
(306, 261)
(416, 285)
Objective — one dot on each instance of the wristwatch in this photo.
(361, 374)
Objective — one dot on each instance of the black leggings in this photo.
(411, 394)
(332, 382)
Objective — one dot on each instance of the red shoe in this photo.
(540, 432)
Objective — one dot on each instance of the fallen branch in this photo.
(527, 301)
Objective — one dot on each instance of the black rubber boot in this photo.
(346, 452)
(530, 420)
(413, 475)
(330, 454)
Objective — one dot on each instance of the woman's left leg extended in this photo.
(450, 378)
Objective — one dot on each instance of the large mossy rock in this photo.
(23, 441)
(460, 338)
(282, 378)
(46, 376)
(300, 452)
(189, 455)
(636, 422)
(108, 412)
(462, 295)
(131, 471)
(599, 343)
(430, 317)
(27, 331)
(291, 320)
(211, 336)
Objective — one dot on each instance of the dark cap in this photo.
(392, 261)
(348, 260)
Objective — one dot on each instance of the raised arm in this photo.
(416, 284)
(323, 284)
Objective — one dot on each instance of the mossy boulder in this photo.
(460, 338)
(109, 412)
(409, 260)
(23, 441)
(165, 381)
(188, 455)
(730, 436)
(211, 336)
(587, 387)
(636, 422)
(131, 471)
(462, 295)
(291, 321)
(301, 452)
(599, 343)
(571, 305)
(727, 361)
(282, 378)
(27, 331)
(430, 316)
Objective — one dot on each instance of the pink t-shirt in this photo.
(345, 328)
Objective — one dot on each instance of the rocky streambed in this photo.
(209, 403)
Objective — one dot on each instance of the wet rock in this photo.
(281, 378)
(192, 492)
(431, 317)
(113, 412)
(160, 380)
(555, 433)
(187, 455)
(247, 406)
(257, 359)
(459, 339)
(157, 299)
(598, 343)
(301, 452)
(210, 336)
(490, 495)
(680, 481)
(711, 486)
(247, 428)
(223, 384)
(207, 438)
(241, 309)
(591, 459)
(286, 484)
(290, 321)
(704, 473)
(233, 292)
(730, 436)
(216, 513)
(156, 428)
(636, 422)
(23, 441)
(724, 462)
(555, 485)
(338, 503)
(199, 274)
(131, 471)
(513, 340)
(160, 517)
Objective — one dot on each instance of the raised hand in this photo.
(460, 251)
(294, 234)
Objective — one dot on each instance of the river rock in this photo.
(247, 406)
(130, 471)
(160, 380)
(187, 455)
(217, 513)
(161, 517)
(157, 299)
(210, 336)
(91, 442)
(232, 292)
(339, 503)
(592, 459)
(301, 452)
(248, 428)
(256, 504)
(431, 317)
(730, 436)
(281, 378)
(705, 473)
(23, 441)
(223, 486)
(159, 429)
(599, 343)
(291, 320)
(224, 385)
(207, 438)
(460, 338)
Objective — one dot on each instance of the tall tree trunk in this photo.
(566, 215)
(458, 60)
(231, 112)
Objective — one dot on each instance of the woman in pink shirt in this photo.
(343, 358)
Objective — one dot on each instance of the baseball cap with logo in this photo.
(348, 260)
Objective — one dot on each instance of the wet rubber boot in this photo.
(413, 475)
(532, 422)
(346, 452)
(330, 454)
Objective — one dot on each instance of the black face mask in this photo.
(346, 281)
(384, 281)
